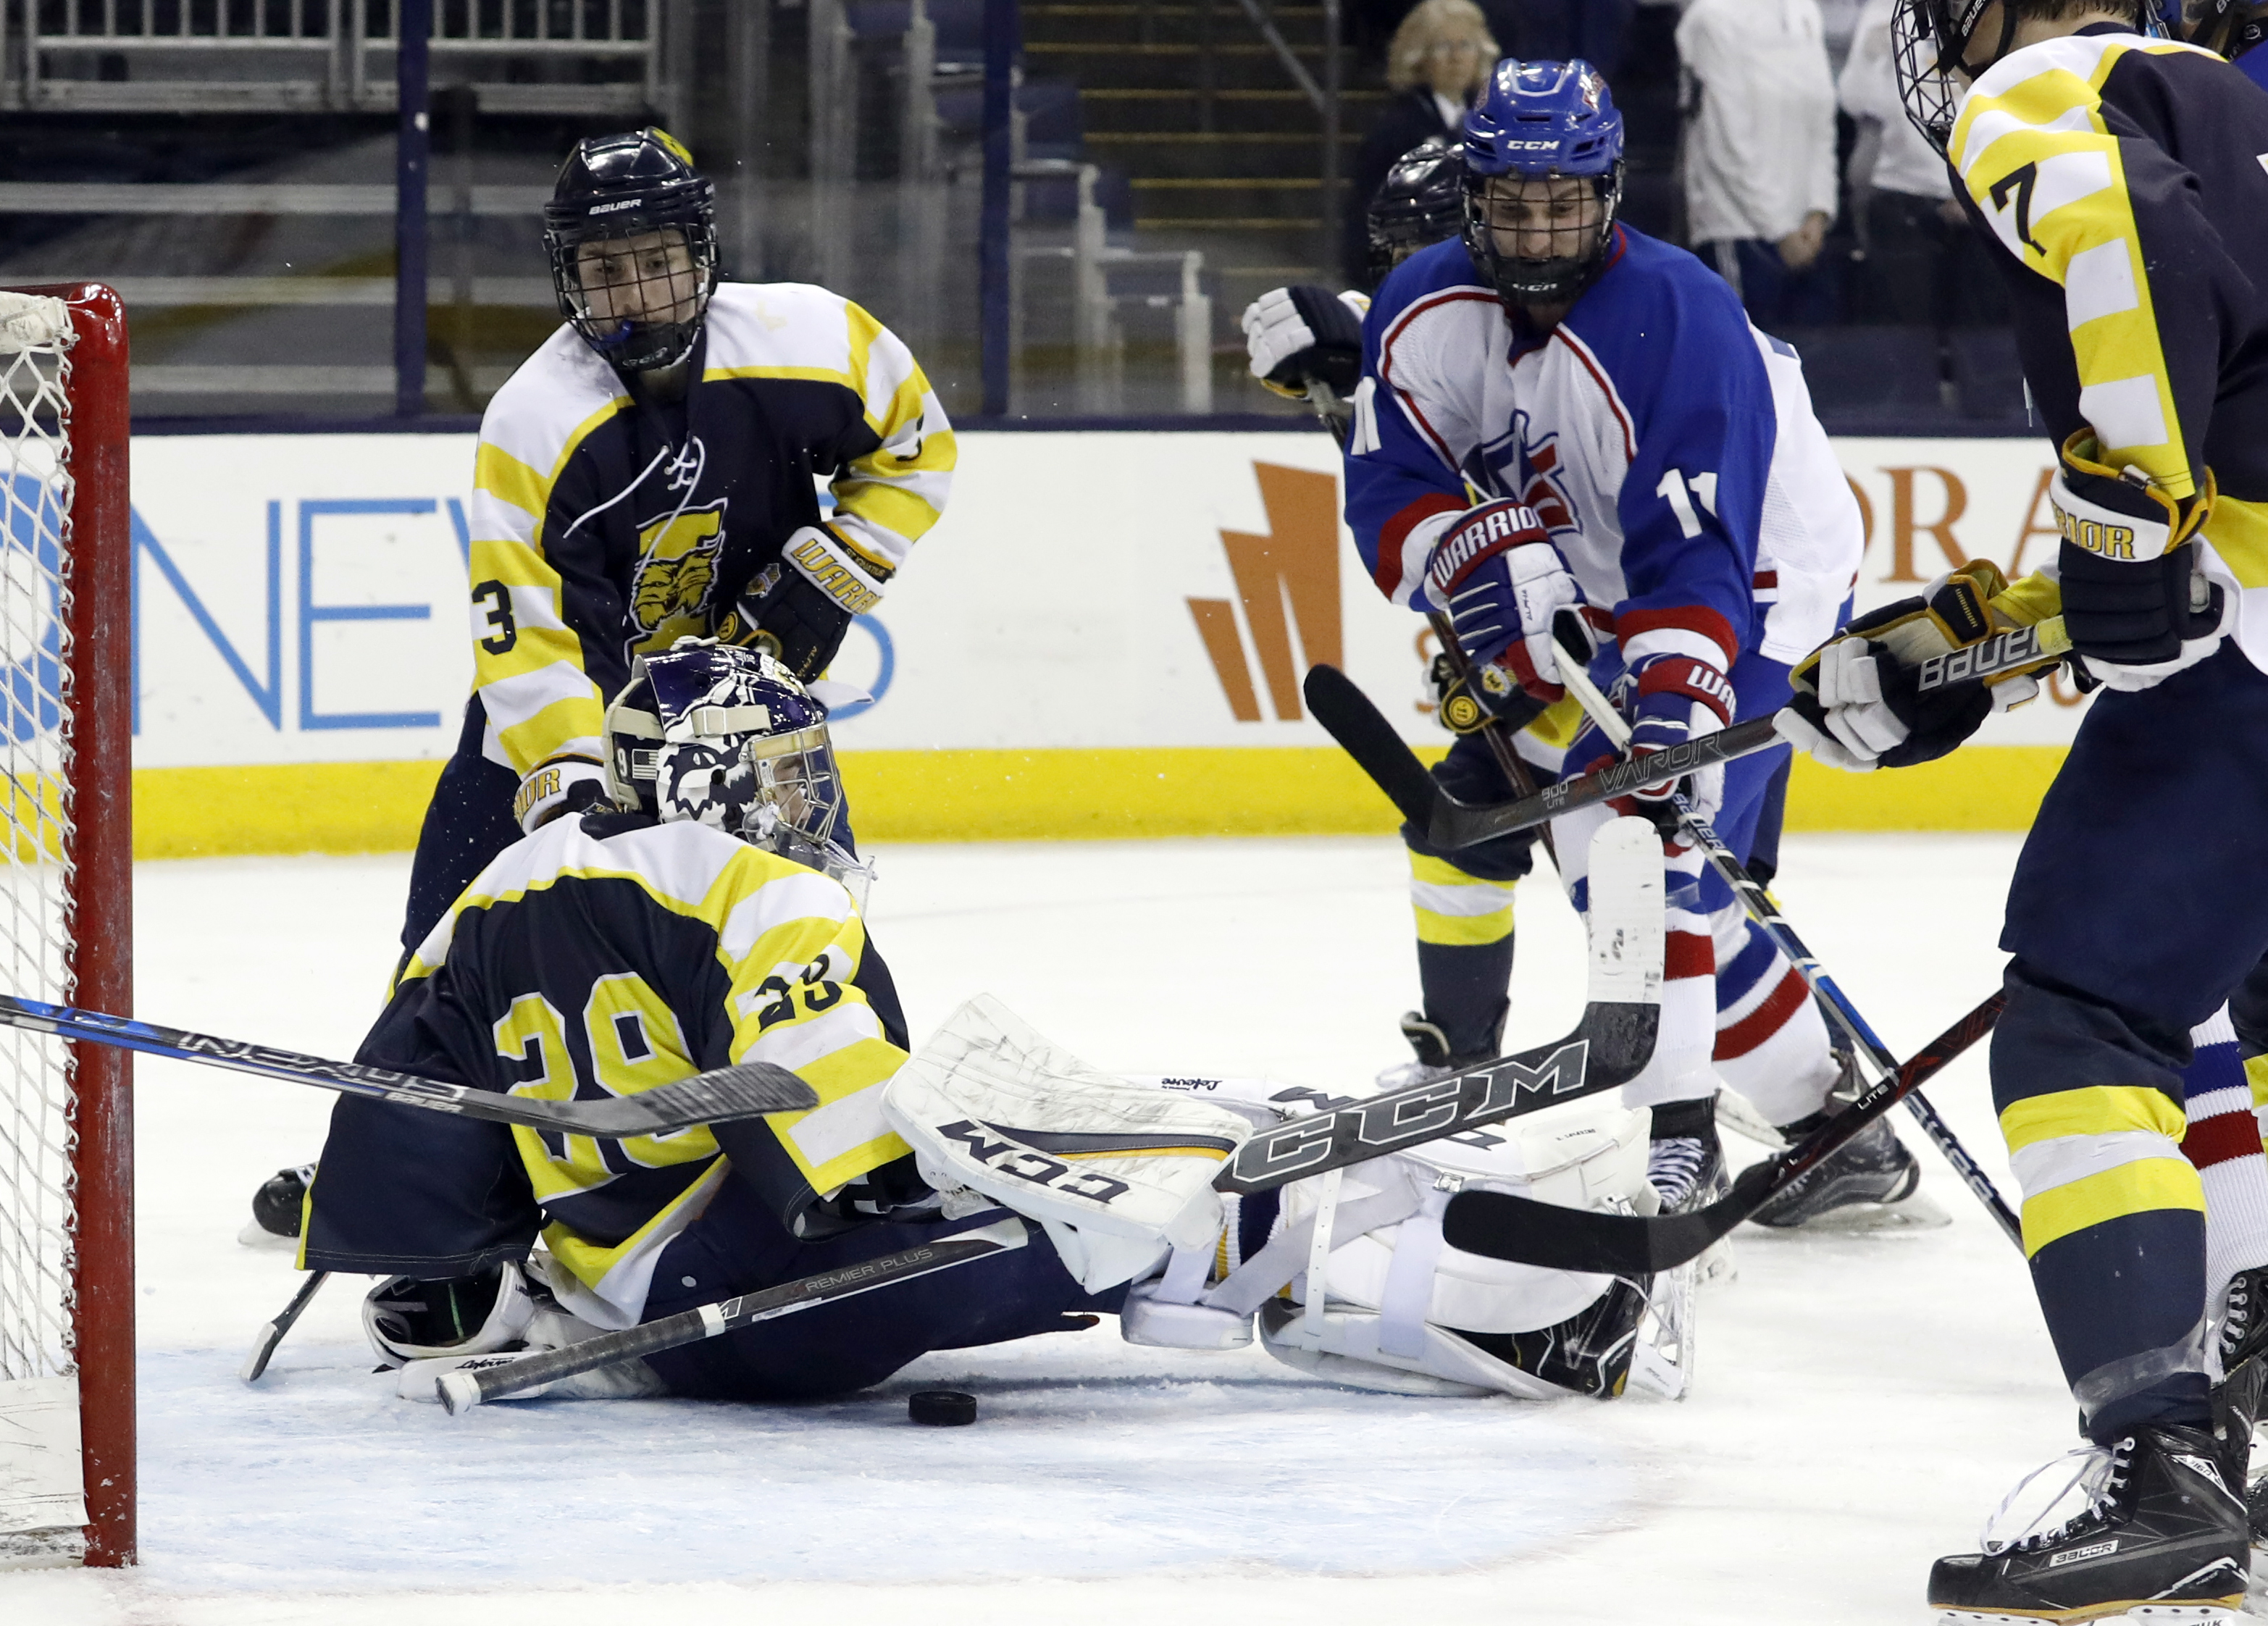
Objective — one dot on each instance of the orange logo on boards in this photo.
(1287, 582)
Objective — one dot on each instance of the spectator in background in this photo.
(1760, 153)
(1438, 62)
(1597, 31)
(1922, 266)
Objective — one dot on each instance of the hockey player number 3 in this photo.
(1673, 486)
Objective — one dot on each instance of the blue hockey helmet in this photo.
(631, 230)
(1543, 121)
(724, 735)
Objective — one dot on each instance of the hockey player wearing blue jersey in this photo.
(1558, 412)
(2120, 183)
(690, 922)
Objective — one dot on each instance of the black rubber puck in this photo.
(941, 1408)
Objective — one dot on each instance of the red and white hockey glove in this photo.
(1668, 700)
(1496, 574)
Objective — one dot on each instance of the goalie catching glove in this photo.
(1858, 703)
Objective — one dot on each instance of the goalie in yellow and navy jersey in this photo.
(648, 475)
(693, 922)
(613, 951)
(2120, 180)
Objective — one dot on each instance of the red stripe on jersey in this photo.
(1685, 618)
(1582, 353)
(1766, 578)
(2221, 1139)
(1687, 954)
(1395, 532)
(1765, 1021)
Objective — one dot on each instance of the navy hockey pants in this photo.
(2139, 903)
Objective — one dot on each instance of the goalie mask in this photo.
(1543, 177)
(725, 736)
(632, 230)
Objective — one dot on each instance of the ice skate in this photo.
(275, 1208)
(2243, 1342)
(2161, 1538)
(1433, 1059)
(1871, 1183)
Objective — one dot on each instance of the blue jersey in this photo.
(1669, 448)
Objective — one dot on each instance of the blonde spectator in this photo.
(1438, 62)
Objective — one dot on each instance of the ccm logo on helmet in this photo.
(1035, 1168)
(611, 208)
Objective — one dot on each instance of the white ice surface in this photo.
(1861, 1403)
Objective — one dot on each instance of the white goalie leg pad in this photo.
(1117, 1175)
(1392, 1292)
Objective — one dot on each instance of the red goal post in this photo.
(66, 929)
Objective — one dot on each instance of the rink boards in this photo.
(1103, 637)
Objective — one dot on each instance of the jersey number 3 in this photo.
(497, 598)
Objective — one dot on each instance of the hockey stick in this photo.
(263, 1344)
(1493, 730)
(1760, 909)
(487, 1378)
(745, 1089)
(1453, 824)
(1499, 1225)
(1610, 1045)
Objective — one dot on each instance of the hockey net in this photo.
(66, 1229)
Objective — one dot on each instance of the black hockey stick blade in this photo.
(263, 1345)
(498, 1377)
(1363, 733)
(1456, 824)
(1499, 1225)
(745, 1089)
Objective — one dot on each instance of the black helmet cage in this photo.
(1561, 277)
(639, 187)
(1930, 39)
(1420, 203)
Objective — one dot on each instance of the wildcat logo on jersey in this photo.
(676, 573)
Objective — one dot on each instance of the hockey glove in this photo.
(563, 784)
(1462, 712)
(2135, 597)
(1858, 703)
(801, 612)
(1303, 332)
(1502, 581)
(1668, 700)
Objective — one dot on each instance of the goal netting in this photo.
(65, 1376)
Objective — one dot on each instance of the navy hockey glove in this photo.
(1461, 709)
(1858, 703)
(1502, 581)
(800, 609)
(1303, 332)
(1668, 700)
(563, 784)
(2135, 601)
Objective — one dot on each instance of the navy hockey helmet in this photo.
(2227, 28)
(1420, 204)
(632, 230)
(1543, 121)
(724, 735)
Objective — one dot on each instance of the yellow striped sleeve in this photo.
(528, 660)
(791, 942)
(2044, 170)
(888, 499)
